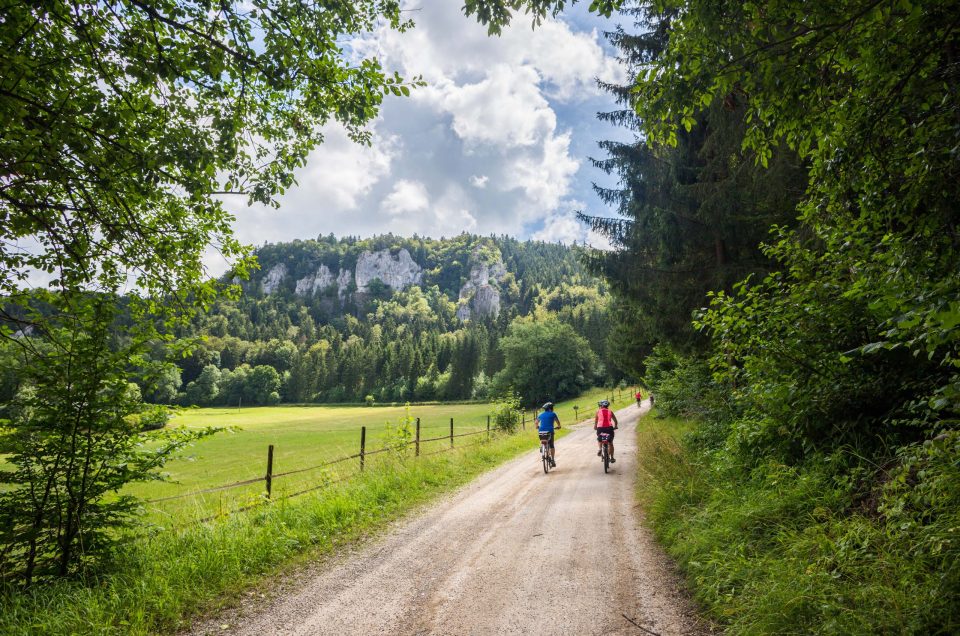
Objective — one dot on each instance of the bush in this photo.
(506, 412)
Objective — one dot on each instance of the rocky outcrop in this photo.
(272, 281)
(310, 285)
(478, 297)
(398, 271)
(343, 282)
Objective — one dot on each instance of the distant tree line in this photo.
(393, 345)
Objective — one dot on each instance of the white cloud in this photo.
(338, 177)
(561, 228)
(479, 181)
(493, 144)
(543, 177)
(505, 109)
(406, 196)
(341, 171)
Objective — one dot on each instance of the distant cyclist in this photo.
(605, 422)
(639, 397)
(548, 421)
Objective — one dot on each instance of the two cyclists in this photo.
(605, 421)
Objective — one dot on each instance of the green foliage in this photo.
(836, 546)
(506, 412)
(73, 440)
(684, 386)
(691, 214)
(544, 360)
(124, 125)
(399, 435)
(407, 344)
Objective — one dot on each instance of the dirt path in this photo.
(515, 552)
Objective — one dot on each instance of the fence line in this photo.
(270, 476)
(362, 455)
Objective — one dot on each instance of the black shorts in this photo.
(607, 429)
(547, 435)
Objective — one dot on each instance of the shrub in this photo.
(506, 412)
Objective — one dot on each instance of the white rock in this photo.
(343, 282)
(310, 285)
(486, 302)
(271, 282)
(398, 271)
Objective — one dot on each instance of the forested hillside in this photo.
(395, 319)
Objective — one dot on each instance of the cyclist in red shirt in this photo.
(605, 422)
(639, 397)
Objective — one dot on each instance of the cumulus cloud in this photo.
(494, 143)
(406, 196)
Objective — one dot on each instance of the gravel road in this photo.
(514, 552)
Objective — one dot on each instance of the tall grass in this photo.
(797, 550)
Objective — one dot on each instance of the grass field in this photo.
(303, 437)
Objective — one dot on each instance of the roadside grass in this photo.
(791, 550)
(156, 583)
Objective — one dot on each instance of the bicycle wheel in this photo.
(546, 460)
(606, 458)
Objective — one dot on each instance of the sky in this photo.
(498, 141)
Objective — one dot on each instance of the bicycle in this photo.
(605, 450)
(545, 451)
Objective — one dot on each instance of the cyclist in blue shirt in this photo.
(545, 428)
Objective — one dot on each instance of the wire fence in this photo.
(270, 476)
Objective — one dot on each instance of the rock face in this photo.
(343, 282)
(398, 271)
(273, 279)
(478, 298)
(310, 285)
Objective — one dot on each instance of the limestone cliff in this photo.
(479, 297)
(271, 282)
(310, 285)
(398, 271)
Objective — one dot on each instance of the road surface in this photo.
(514, 552)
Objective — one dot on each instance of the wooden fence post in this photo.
(363, 445)
(451, 432)
(488, 427)
(418, 438)
(523, 420)
(269, 470)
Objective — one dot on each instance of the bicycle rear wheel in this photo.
(546, 460)
(606, 458)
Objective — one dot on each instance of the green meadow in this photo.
(305, 439)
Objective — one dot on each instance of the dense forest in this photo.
(786, 275)
(383, 319)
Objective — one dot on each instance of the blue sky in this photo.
(497, 142)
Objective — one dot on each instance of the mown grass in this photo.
(790, 550)
(303, 437)
(158, 581)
